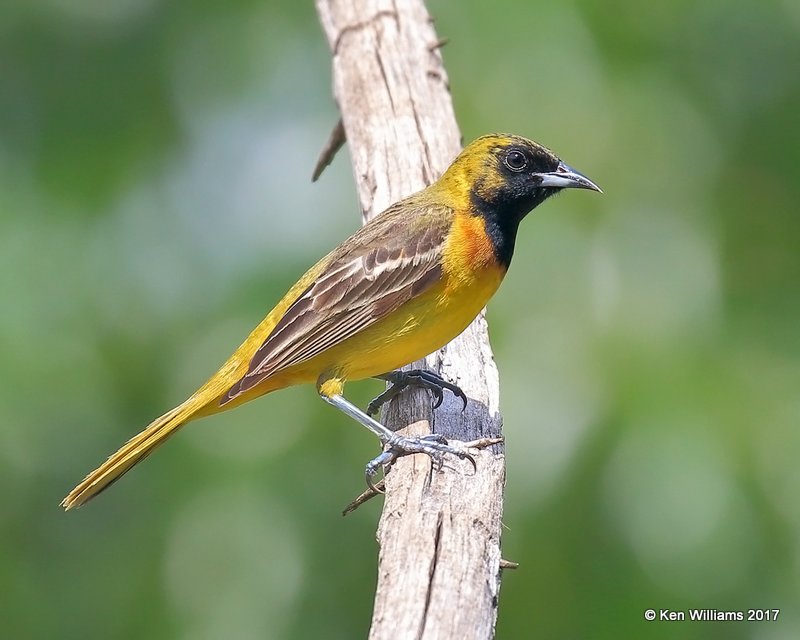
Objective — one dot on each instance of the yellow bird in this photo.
(399, 288)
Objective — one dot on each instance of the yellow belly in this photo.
(470, 277)
(416, 329)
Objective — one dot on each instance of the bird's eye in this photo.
(516, 160)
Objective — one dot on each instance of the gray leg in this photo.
(395, 446)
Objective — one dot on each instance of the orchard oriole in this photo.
(399, 288)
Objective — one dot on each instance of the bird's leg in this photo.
(418, 378)
(394, 445)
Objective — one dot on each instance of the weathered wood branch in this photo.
(439, 534)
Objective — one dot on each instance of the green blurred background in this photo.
(155, 201)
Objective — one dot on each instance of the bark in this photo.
(439, 534)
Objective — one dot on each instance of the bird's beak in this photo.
(565, 177)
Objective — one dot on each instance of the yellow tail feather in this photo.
(135, 450)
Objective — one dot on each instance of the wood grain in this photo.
(439, 534)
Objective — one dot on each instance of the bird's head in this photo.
(512, 174)
(503, 177)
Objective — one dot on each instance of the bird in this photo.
(401, 287)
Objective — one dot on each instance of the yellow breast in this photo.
(470, 277)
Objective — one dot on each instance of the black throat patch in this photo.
(502, 221)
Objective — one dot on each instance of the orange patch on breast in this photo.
(469, 251)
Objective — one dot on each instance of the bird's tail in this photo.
(135, 450)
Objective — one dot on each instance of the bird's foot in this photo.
(434, 446)
(379, 487)
(417, 378)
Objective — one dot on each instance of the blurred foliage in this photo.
(155, 201)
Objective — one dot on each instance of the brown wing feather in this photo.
(383, 265)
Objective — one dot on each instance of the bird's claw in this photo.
(434, 445)
(420, 379)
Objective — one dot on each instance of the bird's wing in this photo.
(383, 265)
